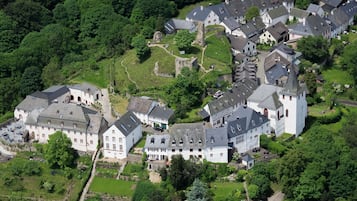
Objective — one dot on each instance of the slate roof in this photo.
(350, 8)
(262, 92)
(278, 30)
(237, 42)
(34, 101)
(189, 135)
(157, 141)
(247, 158)
(140, 105)
(276, 72)
(216, 137)
(238, 7)
(298, 13)
(278, 12)
(273, 59)
(161, 112)
(231, 23)
(338, 18)
(243, 120)
(246, 70)
(249, 29)
(68, 112)
(271, 102)
(238, 95)
(284, 48)
(333, 3)
(240, 57)
(55, 91)
(86, 87)
(127, 123)
(220, 10)
(292, 86)
(199, 13)
(313, 8)
(177, 24)
(314, 25)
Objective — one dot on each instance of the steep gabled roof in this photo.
(231, 23)
(299, 13)
(141, 105)
(127, 123)
(188, 135)
(278, 30)
(333, 3)
(216, 137)
(161, 112)
(278, 12)
(292, 86)
(271, 102)
(199, 13)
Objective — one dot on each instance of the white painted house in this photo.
(141, 107)
(122, 136)
(84, 93)
(279, 14)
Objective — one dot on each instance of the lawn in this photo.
(142, 74)
(141, 142)
(319, 110)
(222, 190)
(185, 10)
(113, 186)
(337, 76)
(218, 48)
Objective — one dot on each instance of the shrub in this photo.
(240, 175)
(32, 168)
(332, 118)
(48, 186)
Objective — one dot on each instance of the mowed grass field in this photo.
(222, 190)
(337, 76)
(113, 187)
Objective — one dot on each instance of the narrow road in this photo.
(92, 174)
(106, 107)
(347, 102)
(260, 64)
(246, 190)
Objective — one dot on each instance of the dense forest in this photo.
(40, 40)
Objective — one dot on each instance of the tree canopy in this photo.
(141, 48)
(58, 151)
(251, 13)
(183, 40)
(198, 192)
(313, 48)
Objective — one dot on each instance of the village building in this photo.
(120, 137)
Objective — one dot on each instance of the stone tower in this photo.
(200, 37)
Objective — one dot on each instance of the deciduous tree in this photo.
(313, 48)
(183, 40)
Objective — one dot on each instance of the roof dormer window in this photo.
(181, 141)
(152, 140)
(162, 140)
(173, 142)
(191, 140)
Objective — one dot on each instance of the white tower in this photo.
(293, 98)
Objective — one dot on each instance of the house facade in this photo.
(120, 137)
(279, 14)
(83, 126)
(275, 34)
(243, 45)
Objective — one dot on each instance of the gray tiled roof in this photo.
(161, 112)
(177, 24)
(91, 89)
(313, 8)
(157, 141)
(298, 13)
(243, 120)
(69, 112)
(246, 70)
(271, 102)
(231, 23)
(247, 158)
(276, 72)
(34, 101)
(238, 95)
(199, 13)
(237, 42)
(273, 59)
(314, 25)
(333, 3)
(262, 92)
(278, 12)
(140, 105)
(292, 86)
(189, 135)
(350, 8)
(278, 31)
(220, 10)
(338, 17)
(284, 48)
(127, 123)
(216, 137)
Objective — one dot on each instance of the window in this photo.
(113, 131)
(211, 155)
(114, 147)
(283, 96)
(74, 125)
(81, 141)
(191, 150)
(173, 150)
(48, 128)
(113, 139)
(290, 97)
(286, 113)
(75, 139)
(180, 150)
(120, 140)
(106, 138)
(48, 122)
(43, 135)
(221, 154)
(91, 142)
(239, 139)
(107, 145)
(62, 124)
(74, 132)
(120, 147)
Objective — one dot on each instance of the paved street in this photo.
(106, 107)
(260, 63)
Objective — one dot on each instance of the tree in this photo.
(51, 73)
(198, 192)
(251, 13)
(30, 81)
(182, 173)
(349, 59)
(314, 48)
(146, 191)
(183, 40)
(58, 151)
(310, 80)
(253, 191)
(186, 91)
(140, 45)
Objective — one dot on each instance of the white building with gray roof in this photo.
(275, 15)
(82, 125)
(285, 107)
(120, 137)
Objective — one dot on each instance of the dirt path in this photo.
(246, 190)
(278, 196)
(127, 73)
(106, 107)
(92, 174)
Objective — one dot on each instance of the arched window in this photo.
(79, 99)
(265, 112)
(286, 112)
